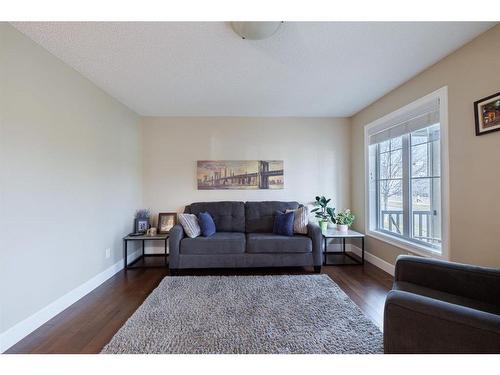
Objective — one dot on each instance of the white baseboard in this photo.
(376, 261)
(28, 325)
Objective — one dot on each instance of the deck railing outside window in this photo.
(422, 227)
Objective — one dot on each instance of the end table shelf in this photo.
(336, 234)
(143, 239)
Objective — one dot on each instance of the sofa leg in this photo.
(317, 269)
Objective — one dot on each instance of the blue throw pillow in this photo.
(207, 224)
(283, 223)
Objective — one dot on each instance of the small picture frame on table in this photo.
(141, 225)
(166, 220)
(487, 114)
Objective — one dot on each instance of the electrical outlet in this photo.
(108, 252)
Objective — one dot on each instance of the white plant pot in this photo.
(342, 227)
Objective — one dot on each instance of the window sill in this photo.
(406, 245)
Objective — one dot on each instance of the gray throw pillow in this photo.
(301, 220)
(190, 224)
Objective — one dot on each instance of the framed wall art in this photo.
(487, 114)
(240, 174)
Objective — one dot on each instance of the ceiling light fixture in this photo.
(256, 30)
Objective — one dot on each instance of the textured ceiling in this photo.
(205, 69)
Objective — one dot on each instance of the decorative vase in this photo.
(323, 225)
(342, 227)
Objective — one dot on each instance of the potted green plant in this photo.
(323, 213)
(344, 220)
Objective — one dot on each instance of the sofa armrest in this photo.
(479, 283)
(174, 242)
(418, 324)
(314, 232)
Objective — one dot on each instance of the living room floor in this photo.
(89, 324)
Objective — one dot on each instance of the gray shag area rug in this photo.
(247, 314)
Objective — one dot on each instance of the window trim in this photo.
(407, 245)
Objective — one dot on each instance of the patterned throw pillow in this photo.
(301, 220)
(190, 224)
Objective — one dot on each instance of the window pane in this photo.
(396, 143)
(425, 152)
(426, 210)
(384, 165)
(384, 146)
(425, 135)
(435, 162)
(397, 164)
(421, 194)
(419, 137)
(426, 185)
(391, 164)
(391, 205)
(419, 160)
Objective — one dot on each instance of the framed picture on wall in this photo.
(487, 114)
(166, 220)
(240, 174)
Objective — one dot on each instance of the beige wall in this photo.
(471, 73)
(315, 153)
(70, 177)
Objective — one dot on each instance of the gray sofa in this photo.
(244, 238)
(442, 307)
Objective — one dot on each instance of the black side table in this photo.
(159, 237)
(334, 233)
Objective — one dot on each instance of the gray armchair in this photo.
(442, 307)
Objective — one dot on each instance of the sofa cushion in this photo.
(260, 215)
(274, 243)
(446, 297)
(219, 243)
(228, 216)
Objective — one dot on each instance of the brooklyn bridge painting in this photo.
(240, 174)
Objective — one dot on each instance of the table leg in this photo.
(343, 245)
(362, 250)
(324, 251)
(166, 244)
(125, 254)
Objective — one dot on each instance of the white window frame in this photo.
(370, 214)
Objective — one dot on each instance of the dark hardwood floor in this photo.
(89, 324)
